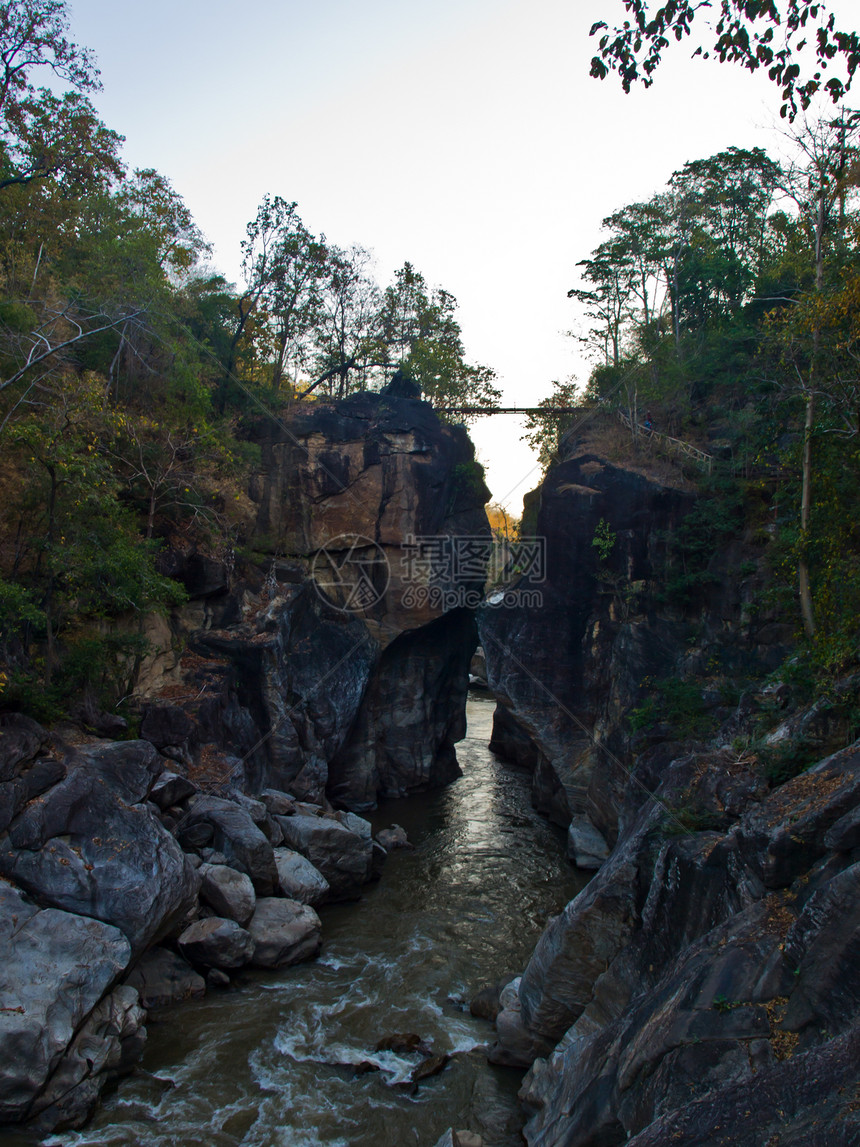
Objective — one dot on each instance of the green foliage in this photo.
(674, 702)
(604, 541)
(18, 608)
(468, 487)
(717, 516)
(545, 431)
(685, 819)
(740, 31)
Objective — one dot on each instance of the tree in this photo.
(422, 338)
(818, 183)
(742, 32)
(43, 135)
(347, 334)
(544, 432)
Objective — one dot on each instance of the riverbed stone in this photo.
(216, 942)
(230, 893)
(342, 856)
(162, 977)
(284, 932)
(299, 879)
(393, 837)
(236, 836)
(54, 969)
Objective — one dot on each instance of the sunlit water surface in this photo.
(268, 1063)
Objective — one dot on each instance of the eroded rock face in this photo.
(378, 466)
(300, 683)
(412, 716)
(573, 664)
(90, 845)
(55, 967)
(715, 950)
(696, 962)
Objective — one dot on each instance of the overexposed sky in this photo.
(465, 136)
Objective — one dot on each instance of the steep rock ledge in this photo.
(713, 958)
(294, 676)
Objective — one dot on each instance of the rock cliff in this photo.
(329, 665)
(343, 671)
(699, 989)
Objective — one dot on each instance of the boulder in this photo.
(278, 804)
(228, 892)
(432, 1065)
(165, 725)
(284, 932)
(108, 1045)
(56, 967)
(486, 1004)
(453, 1138)
(171, 789)
(403, 1043)
(586, 846)
(217, 943)
(90, 845)
(393, 837)
(162, 977)
(21, 741)
(343, 857)
(236, 836)
(516, 1045)
(299, 879)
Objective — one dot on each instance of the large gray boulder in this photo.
(228, 892)
(91, 846)
(216, 943)
(285, 932)
(108, 1045)
(162, 977)
(55, 967)
(342, 856)
(234, 834)
(299, 879)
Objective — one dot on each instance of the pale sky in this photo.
(465, 136)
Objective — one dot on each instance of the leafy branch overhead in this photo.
(797, 43)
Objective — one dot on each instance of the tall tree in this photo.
(422, 337)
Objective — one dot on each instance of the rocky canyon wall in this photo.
(703, 988)
(309, 671)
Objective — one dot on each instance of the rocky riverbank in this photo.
(139, 872)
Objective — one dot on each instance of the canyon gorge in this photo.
(689, 972)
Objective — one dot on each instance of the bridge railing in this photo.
(673, 445)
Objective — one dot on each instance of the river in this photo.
(267, 1064)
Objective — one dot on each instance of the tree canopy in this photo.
(753, 33)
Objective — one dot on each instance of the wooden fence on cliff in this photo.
(670, 444)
